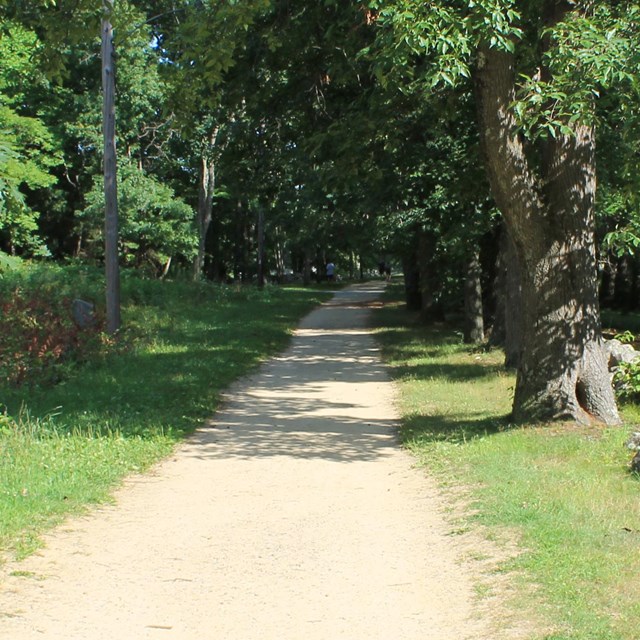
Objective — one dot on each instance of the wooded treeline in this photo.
(458, 139)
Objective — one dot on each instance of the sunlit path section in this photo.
(294, 515)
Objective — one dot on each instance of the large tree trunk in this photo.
(563, 371)
(473, 309)
(207, 178)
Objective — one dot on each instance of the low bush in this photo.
(626, 381)
(39, 338)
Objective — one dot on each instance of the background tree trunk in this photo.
(430, 310)
(413, 297)
(507, 329)
(473, 310)
(306, 272)
(562, 372)
(261, 256)
(206, 192)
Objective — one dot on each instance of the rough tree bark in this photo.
(513, 315)
(563, 371)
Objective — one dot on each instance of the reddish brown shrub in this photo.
(39, 339)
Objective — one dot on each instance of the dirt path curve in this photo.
(293, 516)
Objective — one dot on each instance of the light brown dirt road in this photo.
(293, 516)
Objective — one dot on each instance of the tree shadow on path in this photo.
(328, 396)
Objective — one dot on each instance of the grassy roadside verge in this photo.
(564, 492)
(67, 446)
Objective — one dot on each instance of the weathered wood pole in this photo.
(112, 270)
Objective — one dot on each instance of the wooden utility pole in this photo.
(110, 171)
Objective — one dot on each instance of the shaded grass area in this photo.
(565, 491)
(66, 446)
(620, 321)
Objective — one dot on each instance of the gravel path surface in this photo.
(293, 515)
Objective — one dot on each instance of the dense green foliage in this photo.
(351, 127)
(316, 132)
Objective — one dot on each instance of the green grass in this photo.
(47, 472)
(565, 492)
(65, 447)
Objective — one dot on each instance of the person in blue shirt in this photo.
(331, 271)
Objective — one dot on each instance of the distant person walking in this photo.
(384, 268)
(331, 271)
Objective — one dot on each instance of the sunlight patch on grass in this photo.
(65, 447)
(564, 489)
(46, 474)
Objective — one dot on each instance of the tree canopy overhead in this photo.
(347, 132)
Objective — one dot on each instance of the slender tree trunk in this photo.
(261, 265)
(507, 330)
(512, 303)
(623, 283)
(306, 274)
(412, 294)
(165, 269)
(430, 310)
(207, 178)
(411, 274)
(607, 281)
(112, 268)
(279, 256)
(563, 371)
(473, 309)
(239, 262)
